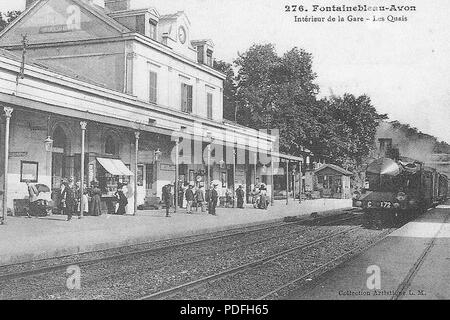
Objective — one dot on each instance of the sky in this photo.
(403, 66)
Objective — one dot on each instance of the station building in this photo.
(113, 94)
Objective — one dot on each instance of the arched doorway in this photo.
(59, 157)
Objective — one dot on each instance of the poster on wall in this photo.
(29, 171)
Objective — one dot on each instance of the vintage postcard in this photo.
(209, 150)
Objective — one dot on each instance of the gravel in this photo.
(141, 274)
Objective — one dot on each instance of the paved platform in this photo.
(397, 257)
(24, 239)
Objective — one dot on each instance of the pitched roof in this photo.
(58, 69)
(336, 168)
(97, 11)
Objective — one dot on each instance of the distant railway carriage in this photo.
(400, 189)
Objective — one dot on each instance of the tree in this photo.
(357, 121)
(280, 92)
(229, 89)
(256, 85)
(7, 18)
(276, 92)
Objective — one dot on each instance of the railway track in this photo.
(165, 294)
(332, 220)
(322, 268)
(404, 285)
(154, 249)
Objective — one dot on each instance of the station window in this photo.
(152, 29)
(186, 98)
(153, 87)
(200, 54)
(209, 60)
(209, 105)
(110, 146)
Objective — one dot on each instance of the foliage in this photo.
(276, 92)
(279, 92)
(414, 133)
(229, 89)
(7, 18)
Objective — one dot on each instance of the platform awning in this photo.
(115, 167)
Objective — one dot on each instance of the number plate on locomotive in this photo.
(379, 204)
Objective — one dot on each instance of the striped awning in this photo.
(115, 166)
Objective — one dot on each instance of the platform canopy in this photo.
(115, 167)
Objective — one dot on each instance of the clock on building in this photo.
(182, 35)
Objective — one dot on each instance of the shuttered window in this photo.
(209, 105)
(186, 98)
(153, 87)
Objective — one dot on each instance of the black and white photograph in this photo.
(241, 152)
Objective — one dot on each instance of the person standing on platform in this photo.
(213, 198)
(189, 199)
(122, 200)
(96, 200)
(200, 198)
(240, 197)
(167, 198)
(228, 199)
(76, 196)
(33, 198)
(85, 203)
(129, 193)
(67, 200)
(180, 194)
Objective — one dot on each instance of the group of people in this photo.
(69, 199)
(194, 197)
(200, 198)
(72, 201)
(260, 199)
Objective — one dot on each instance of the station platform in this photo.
(26, 239)
(413, 262)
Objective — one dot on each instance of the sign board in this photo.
(167, 167)
(18, 154)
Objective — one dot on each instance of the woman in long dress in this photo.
(129, 193)
(122, 200)
(96, 201)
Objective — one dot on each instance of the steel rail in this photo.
(405, 284)
(56, 267)
(196, 256)
(231, 271)
(324, 268)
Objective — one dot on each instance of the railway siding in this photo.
(413, 262)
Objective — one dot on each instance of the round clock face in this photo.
(182, 35)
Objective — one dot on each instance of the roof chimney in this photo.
(117, 5)
(28, 3)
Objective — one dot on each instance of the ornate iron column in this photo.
(287, 181)
(83, 125)
(300, 182)
(137, 135)
(8, 113)
(176, 186)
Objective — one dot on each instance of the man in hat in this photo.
(213, 198)
(200, 198)
(240, 197)
(67, 199)
(189, 194)
(167, 197)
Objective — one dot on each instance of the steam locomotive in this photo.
(398, 189)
